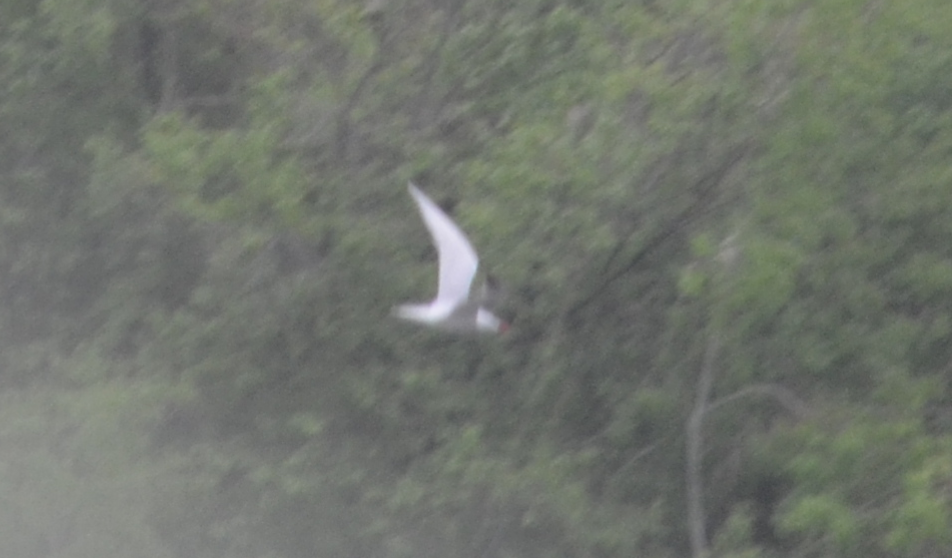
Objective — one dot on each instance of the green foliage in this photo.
(733, 538)
(859, 486)
(729, 214)
(224, 175)
(922, 520)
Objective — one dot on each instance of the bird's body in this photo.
(455, 308)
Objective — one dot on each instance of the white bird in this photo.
(454, 308)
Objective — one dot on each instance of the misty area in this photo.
(721, 231)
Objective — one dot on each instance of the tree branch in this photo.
(695, 449)
(695, 438)
(704, 188)
(786, 398)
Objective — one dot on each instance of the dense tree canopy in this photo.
(724, 232)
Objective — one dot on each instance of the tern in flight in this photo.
(455, 307)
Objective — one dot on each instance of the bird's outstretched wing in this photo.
(458, 260)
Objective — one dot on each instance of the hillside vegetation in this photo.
(723, 227)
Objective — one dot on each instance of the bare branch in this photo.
(695, 438)
(786, 398)
(695, 449)
(704, 190)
